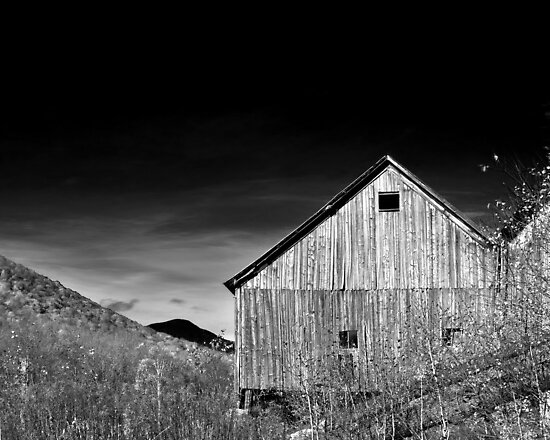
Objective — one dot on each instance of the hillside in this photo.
(25, 294)
(184, 329)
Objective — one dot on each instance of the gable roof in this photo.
(336, 203)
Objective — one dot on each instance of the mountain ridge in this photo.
(189, 331)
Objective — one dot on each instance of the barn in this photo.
(356, 279)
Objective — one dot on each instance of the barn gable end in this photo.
(358, 268)
(357, 206)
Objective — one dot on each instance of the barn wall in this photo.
(381, 273)
(421, 246)
(284, 334)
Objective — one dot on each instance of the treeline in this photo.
(58, 382)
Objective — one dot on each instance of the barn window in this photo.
(348, 339)
(450, 335)
(388, 201)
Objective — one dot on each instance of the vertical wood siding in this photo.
(421, 246)
(278, 347)
(380, 273)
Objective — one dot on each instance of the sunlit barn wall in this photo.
(364, 270)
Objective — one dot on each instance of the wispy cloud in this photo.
(118, 257)
(118, 306)
(478, 214)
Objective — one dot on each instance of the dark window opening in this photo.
(388, 201)
(348, 339)
(450, 335)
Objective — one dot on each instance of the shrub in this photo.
(60, 383)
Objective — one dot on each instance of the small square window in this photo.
(388, 201)
(348, 339)
(450, 335)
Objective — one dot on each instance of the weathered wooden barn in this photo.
(359, 278)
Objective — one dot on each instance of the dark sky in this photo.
(145, 184)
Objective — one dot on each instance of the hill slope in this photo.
(25, 294)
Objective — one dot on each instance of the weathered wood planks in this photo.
(360, 248)
(387, 321)
(388, 275)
